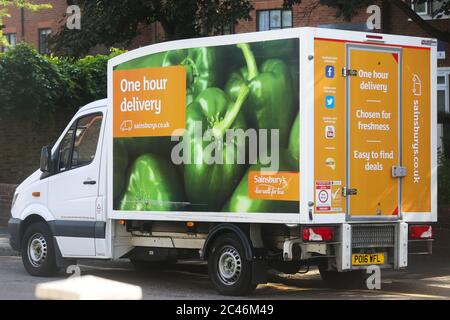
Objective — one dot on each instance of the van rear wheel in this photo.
(228, 268)
(38, 251)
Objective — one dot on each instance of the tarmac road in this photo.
(428, 277)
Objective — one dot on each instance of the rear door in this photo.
(373, 188)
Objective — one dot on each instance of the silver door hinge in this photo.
(398, 171)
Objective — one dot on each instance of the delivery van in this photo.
(272, 150)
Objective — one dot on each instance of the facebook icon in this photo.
(329, 71)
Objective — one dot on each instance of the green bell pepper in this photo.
(149, 61)
(270, 104)
(120, 163)
(201, 69)
(294, 143)
(208, 184)
(240, 200)
(153, 185)
(284, 49)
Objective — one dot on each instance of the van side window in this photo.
(86, 139)
(65, 149)
(79, 145)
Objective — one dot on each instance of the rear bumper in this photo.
(14, 233)
(387, 238)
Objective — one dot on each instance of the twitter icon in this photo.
(329, 102)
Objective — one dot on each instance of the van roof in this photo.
(94, 104)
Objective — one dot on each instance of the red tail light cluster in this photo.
(318, 234)
(420, 232)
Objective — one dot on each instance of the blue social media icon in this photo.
(329, 102)
(329, 71)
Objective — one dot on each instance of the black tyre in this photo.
(38, 251)
(342, 280)
(229, 270)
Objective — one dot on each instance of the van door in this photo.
(374, 159)
(73, 189)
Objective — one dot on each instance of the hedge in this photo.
(34, 85)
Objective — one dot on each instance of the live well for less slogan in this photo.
(283, 186)
(149, 102)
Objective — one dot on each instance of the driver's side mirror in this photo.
(46, 158)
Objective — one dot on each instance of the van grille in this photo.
(369, 236)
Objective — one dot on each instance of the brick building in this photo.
(33, 27)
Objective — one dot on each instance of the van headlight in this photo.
(14, 199)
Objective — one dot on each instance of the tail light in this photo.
(420, 232)
(318, 233)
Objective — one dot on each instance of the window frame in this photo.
(430, 8)
(423, 13)
(444, 87)
(8, 38)
(75, 126)
(40, 30)
(281, 20)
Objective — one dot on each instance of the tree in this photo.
(6, 4)
(348, 8)
(117, 22)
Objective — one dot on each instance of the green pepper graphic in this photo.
(153, 185)
(270, 104)
(207, 183)
(294, 143)
(120, 156)
(200, 65)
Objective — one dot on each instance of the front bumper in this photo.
(14, 232)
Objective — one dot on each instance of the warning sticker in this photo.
(328, 196)
(323, 195)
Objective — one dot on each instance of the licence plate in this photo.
(367, 258)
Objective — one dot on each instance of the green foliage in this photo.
(118, 22)
(30, 83)
(35, 85)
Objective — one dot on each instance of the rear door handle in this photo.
(90, 182)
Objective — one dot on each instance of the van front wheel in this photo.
(229, 270)
(38, 252)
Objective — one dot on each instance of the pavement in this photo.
(5, 248)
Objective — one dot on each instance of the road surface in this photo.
(427, 278)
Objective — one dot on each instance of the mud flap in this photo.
(260, 270)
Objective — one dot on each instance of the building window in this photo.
(12, 40)
(273, 19)
(420, 8)
(443, 91)
(43, 45)
(427, 9)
